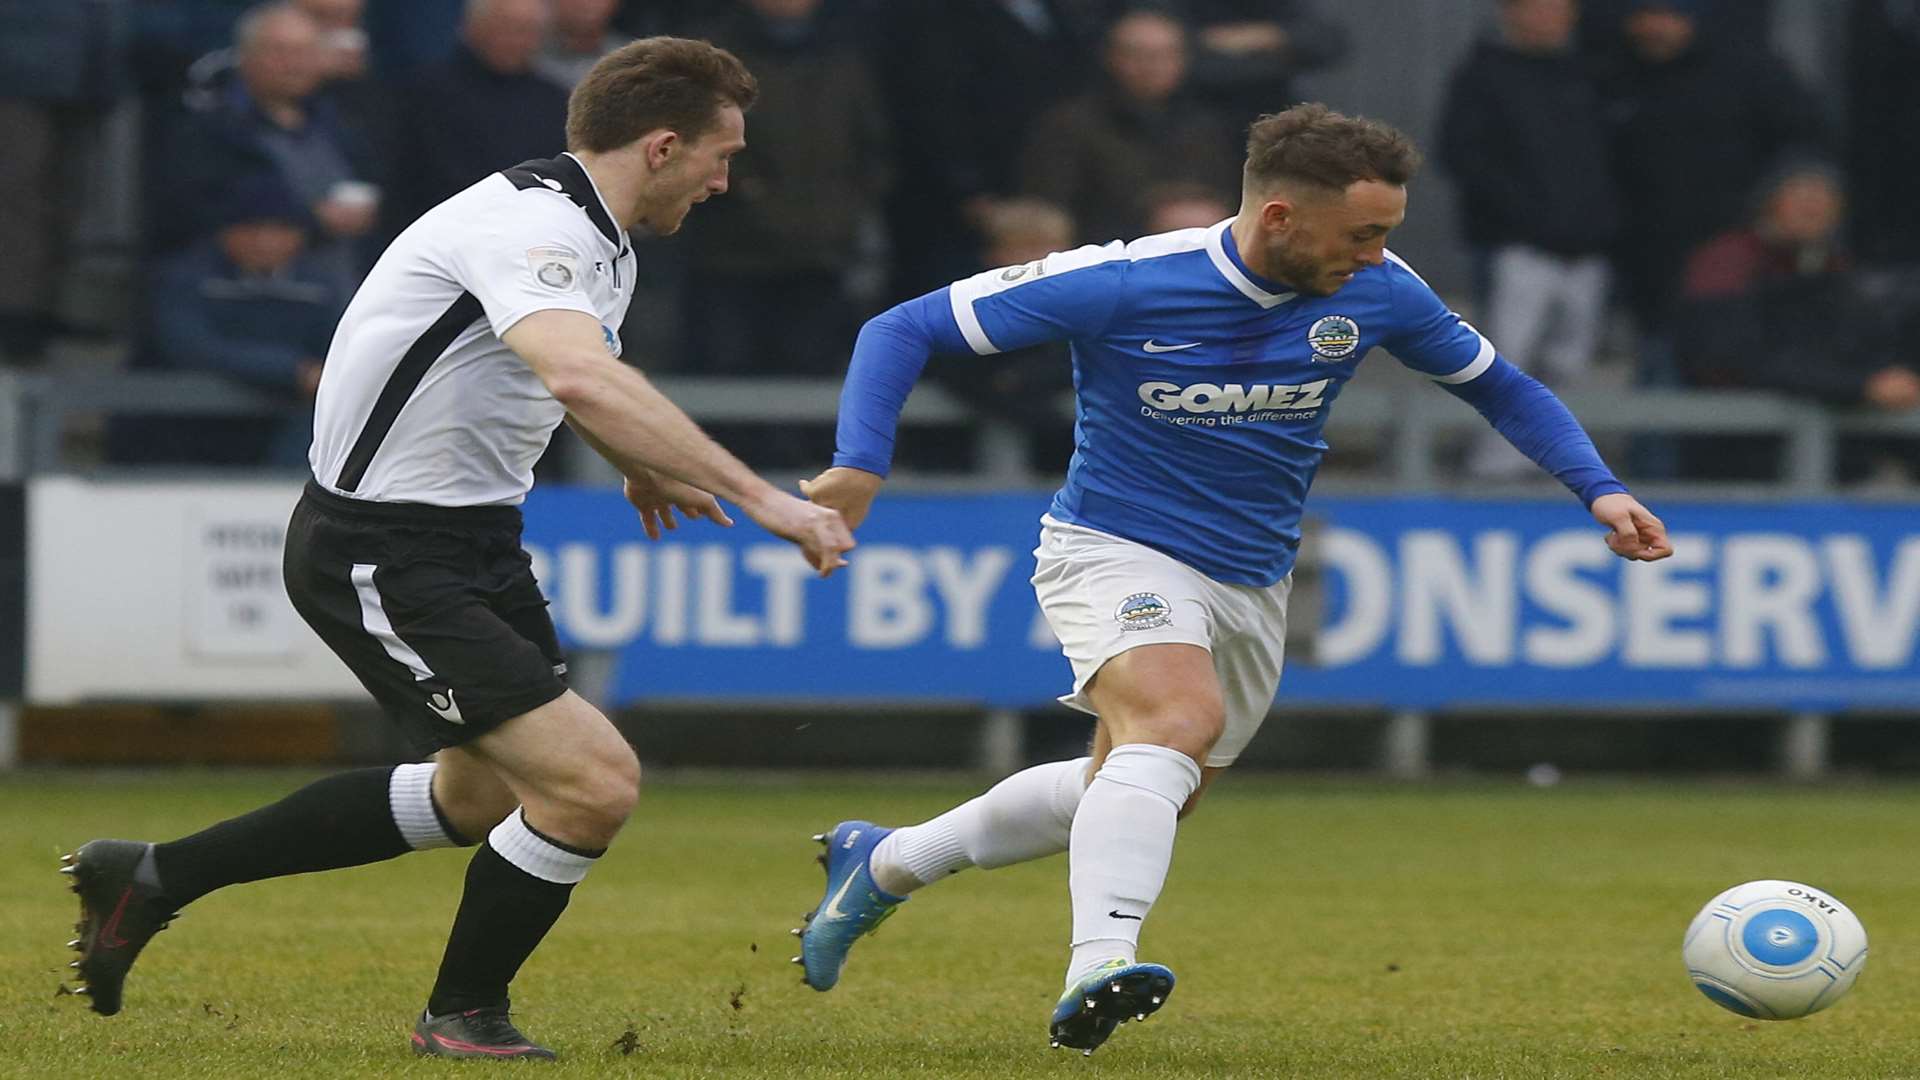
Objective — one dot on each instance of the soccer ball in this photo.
(1774, 950)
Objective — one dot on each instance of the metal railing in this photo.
(37, 411)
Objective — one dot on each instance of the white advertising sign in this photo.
(158, 591)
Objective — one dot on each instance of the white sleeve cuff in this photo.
(1481, 363)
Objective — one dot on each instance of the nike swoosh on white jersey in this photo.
(1155, 347)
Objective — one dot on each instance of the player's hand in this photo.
(656, 497)
(849, 491)
(820, 531)
(1632, 530)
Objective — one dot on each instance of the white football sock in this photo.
(1122, 845)
(1025, 816)
(410, 798)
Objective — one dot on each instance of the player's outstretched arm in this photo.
(1632, 530)
(1539, 425)
(655, 497)
(638, 429)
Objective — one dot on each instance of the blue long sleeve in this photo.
(1539, 425)
(888, 356)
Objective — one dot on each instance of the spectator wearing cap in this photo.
(1523, 134)
(253, 303)
(1097, 154)
(271, 116)
(1696, 124)
(481, 110)
(1777, 304)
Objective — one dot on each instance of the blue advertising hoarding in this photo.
(1428, 602)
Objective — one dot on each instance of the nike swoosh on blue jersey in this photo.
(1152, 346)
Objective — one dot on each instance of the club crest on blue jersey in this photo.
(1143, 611)
(1333, 337)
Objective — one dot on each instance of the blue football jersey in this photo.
(1203, 391)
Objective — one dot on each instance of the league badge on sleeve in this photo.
(555, 267)
(1333, 338)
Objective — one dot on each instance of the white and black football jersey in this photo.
(420, 401)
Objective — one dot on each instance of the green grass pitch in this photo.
(1319, 929)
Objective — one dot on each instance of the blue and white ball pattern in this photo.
(1774, 950)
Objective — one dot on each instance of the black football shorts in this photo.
(435, 609)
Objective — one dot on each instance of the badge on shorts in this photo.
(1143, 611)
(443, 706)
(554, 267)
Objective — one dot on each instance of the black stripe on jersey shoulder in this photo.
(565, 175)
(401, 385)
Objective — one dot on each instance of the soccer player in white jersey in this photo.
(1205, 361)
(487, 322)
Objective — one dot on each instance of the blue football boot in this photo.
(1111, 995)
(851, 906)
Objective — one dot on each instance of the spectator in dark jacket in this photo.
(253, 304)
(1248, 53)
(767, 291)
(482, 110)
(271, 116)
(966, 80)
(1777, 305)
(1883, 91)
(1523, 134)
(61, 67)
(1697, 124)
(356, 107)
(1098, 154)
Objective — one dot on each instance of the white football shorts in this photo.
(1103, 595)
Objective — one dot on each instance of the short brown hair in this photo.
(654, 83)
(1312, 144)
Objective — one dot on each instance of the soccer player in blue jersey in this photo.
(1205, 362)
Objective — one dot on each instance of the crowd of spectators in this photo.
(1668, 169)
(1650, 157)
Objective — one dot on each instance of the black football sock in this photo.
(342, 820)
(517, 885)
